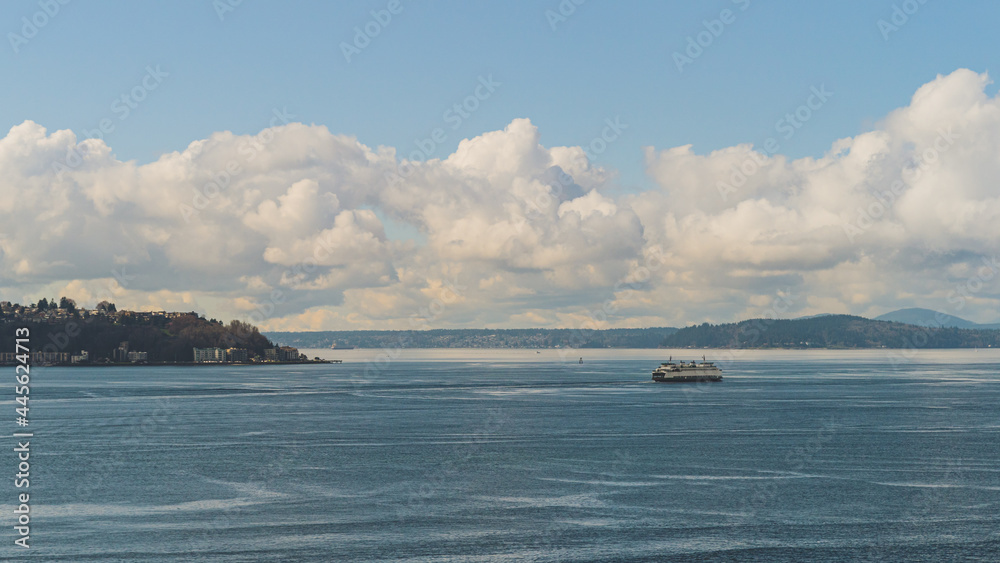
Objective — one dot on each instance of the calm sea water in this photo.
(468, 455)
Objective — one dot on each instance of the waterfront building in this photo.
(237, 355)
(39, 358)
(209, 355)
(120, 354)
(136, 356)
(282, 354)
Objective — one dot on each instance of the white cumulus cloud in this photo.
(291, 225)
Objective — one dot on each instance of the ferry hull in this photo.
(687, 378)
(670, 372)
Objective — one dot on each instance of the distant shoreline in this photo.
(822, 333)
(846, 348)
(183, 364)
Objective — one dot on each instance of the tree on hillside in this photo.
(241, 334)
(67, 304)
(106, 307)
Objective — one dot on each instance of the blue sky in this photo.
(493, 216)
(606, 59)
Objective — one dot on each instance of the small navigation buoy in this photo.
(581, 360)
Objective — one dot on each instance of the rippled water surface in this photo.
(472, 455)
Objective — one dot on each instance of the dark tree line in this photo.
(46, 304)
(164, 340)
(832, 331)
(480, 338)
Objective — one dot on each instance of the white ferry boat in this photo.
(683, 372)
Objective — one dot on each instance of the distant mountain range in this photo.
(829, 331)
(927, 317)
(921, 328)
(479, 338)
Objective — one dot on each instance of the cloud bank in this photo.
(290, 228)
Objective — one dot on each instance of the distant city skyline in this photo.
(391, 165)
